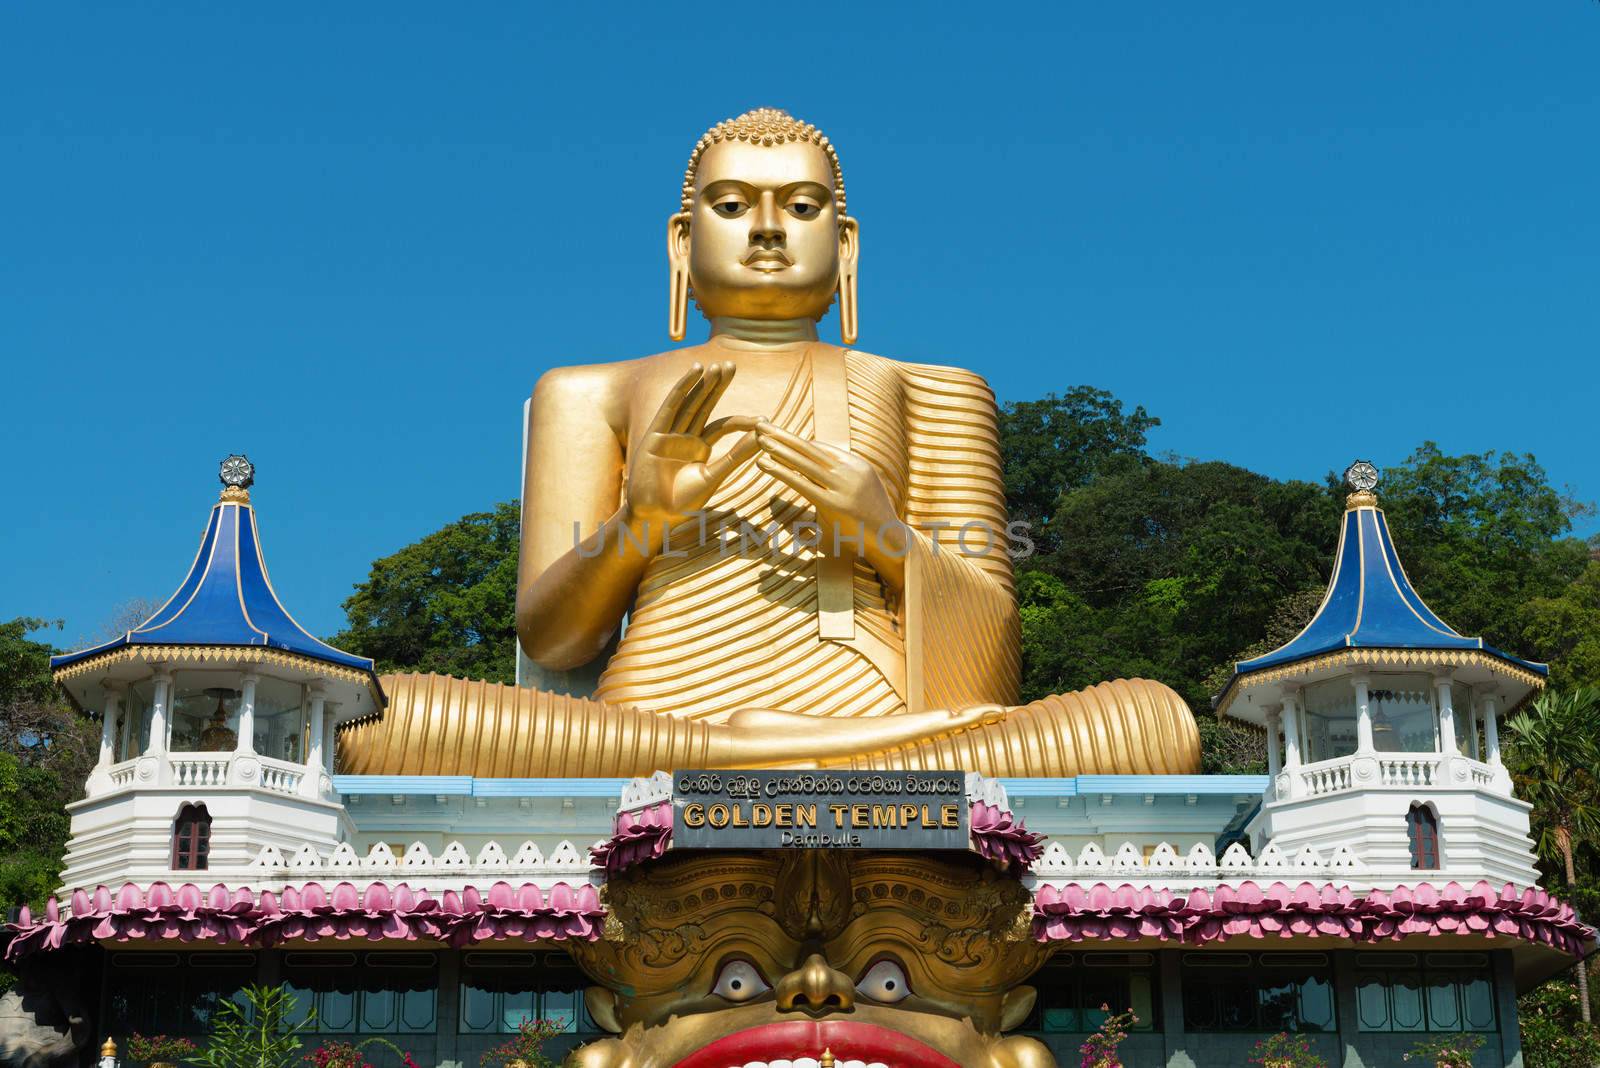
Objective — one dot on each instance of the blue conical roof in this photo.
(226, 600)
(1371, 604)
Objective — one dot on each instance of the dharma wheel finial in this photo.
(1362, 478)
(238, 474)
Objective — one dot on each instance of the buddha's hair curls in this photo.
(763, 126)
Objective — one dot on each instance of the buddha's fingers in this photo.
(768, 736)
(667, 414)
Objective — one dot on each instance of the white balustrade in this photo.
(192, 769)
(1395, 771)
(281, 776)
(123, 774)
(1410, 770)
(1325, 777)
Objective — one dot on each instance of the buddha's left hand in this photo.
(853, 507)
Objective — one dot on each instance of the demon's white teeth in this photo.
(808, 1062)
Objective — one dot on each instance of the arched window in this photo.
(191, 839)
(1422, 828)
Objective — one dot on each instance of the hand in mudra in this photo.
(671, 474)
(852, 505)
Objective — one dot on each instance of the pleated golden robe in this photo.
(743, 611)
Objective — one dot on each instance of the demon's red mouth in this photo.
(793, 1039)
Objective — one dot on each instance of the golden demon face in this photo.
(753, 959)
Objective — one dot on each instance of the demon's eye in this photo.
(739, 981)
(885, 981)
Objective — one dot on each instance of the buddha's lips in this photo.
(792, 1039)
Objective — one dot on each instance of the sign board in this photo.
(819, 810)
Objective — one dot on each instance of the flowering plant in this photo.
(526, 1046)
(1447, 1051)
(1283, 1050)
(154, 1049)
(334, 1054)
(1099, 1050)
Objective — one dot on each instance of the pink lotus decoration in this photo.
(1002, 838)
(1076, 913)
(639, 835)
(310, 913)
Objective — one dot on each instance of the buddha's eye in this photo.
(730, 209)
(739, 981)
(802, 209)
(885, 981)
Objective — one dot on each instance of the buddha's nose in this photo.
(766, 223)
(815, 988)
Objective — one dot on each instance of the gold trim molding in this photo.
(218, 655)
(1400, 658)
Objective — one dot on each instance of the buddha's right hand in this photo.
(671, 474)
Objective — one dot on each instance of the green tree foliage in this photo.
(1057, 443)
(46, 750)
(1484, 537)
(1554, 751)
(1175, 567)
(445, 604)
(1553, 1036)
(1564, 628)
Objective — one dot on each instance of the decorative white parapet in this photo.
(454, 867)
(1165, 867)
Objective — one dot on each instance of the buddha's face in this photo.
(905, 965)
(763, 237)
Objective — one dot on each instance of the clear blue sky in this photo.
(346, 239)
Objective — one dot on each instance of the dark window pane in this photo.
(1477, 1001)
(1199, 1004)
(1278, 998)
(1444, 1012)
(1405, 1001)
(1316, 1004)
(1372, 1003)
(479, 1010)
(1236, 1003)
(336, 1012)
(1060, 1020)
(379, 1012)
(417, 1009)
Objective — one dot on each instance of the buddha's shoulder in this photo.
(930, 376)
(622, 374)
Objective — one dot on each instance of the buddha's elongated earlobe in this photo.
(849, 256)
(678, 284)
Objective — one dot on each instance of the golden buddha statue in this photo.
(808, 542)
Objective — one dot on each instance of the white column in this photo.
(1491, 730)
(108, 725)
(1363, 717)
(130, 731)
(247, 713)
(310, 782)
(1273, 764)
(158, 712)
(1447, 716)
(330, 738)
(1291, 731)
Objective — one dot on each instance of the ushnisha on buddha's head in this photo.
(762, 231)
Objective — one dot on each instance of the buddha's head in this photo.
(914, 961)
(762, 231)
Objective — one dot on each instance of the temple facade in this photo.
(1376, 887)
